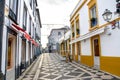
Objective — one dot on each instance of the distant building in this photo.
(64, 41)
(54, 37)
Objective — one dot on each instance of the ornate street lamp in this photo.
(107, 15)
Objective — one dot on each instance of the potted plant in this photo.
(77, 31)
(93, 21)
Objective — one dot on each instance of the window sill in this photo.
(93, 28)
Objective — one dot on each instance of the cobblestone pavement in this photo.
(53, 67)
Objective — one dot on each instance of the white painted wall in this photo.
(85, 47)
(4, 49)
(20, 21)
(106, 4)
(84, 20)
(110, 44)
(20, 50)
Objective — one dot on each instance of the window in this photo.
(77, 27)
(33, 30)
(24, 17)
(13, 5)
(9, 56)
(30, 25)
(33, 8)
(31, 4)
(59, 33)
(73, 31)
(93, 16)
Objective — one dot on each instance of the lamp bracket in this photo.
(115, 24)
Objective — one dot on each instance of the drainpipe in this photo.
(2, 6)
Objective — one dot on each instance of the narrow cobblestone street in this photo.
(53, 67)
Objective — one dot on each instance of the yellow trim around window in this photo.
(77, 27)
(77, 17)
(90, 5)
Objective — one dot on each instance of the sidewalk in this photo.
(30, 71)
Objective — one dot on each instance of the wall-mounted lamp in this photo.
(107, 16)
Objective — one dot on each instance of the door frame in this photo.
(78, 50)
(92, 48)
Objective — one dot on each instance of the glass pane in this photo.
(93, 12)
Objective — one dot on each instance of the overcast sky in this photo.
(54, 12)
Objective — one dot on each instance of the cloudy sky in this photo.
(54, 12)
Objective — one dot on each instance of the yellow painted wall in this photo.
(76, 57)
(87, 60)
(110, 64)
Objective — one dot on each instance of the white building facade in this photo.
(53, 39)
(94, 41)
(19, 40)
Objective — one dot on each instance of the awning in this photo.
(26, 35)
(33, 42)
(18, 27)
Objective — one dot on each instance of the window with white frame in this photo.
(13, 5)
(24, 17)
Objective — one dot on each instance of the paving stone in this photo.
(51, 76)
(53, 68)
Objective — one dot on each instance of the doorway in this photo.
(78, 51)
(96, 51)
(29, 54)
(73, 51)
(11, 54)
